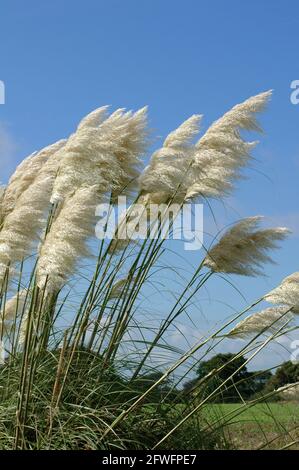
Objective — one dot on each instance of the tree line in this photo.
(235, 382)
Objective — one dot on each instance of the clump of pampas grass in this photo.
(73, 363)
(97, 159)
(183, 171)
(102, 152)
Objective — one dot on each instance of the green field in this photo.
(271, 425)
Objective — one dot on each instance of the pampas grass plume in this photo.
(243, 248)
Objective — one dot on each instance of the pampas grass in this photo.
(25, 212)
(105, 154)
(289, 391)
(287, 293)
(243, 248)
(12, 309)
(25, 175)
(168, 165)
(222, 152)
(80, 365)
(270, 320)
(66, 241)
(209, 168)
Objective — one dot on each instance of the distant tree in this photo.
(260, 378)
(258, 382)
(235, 380)
(190, 385)
(287, 373)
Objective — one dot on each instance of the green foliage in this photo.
(229, 373)
(287, 373)
(92, 397)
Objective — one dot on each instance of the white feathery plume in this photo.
(2, 192)
(243, 248)
(133, 147)
(66, 241)
(2, 353)
(122, 136)
(106, 155)
(209, 168)
(168, 165)
(94, 119)
(289, 391)
(25, 175)
(287, 293)
(271, 320)
(221, 153)
(13, 308)
(23, 329)
(23, 225)
(184, 134)
(117, 288)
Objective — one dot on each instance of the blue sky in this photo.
(62, 58)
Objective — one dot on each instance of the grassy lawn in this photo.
(270, 426)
